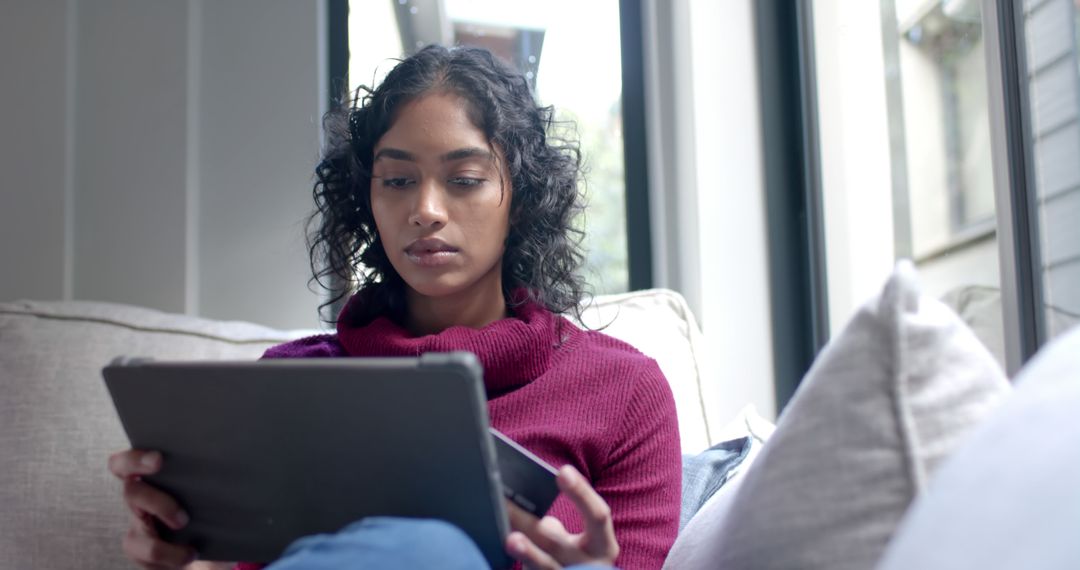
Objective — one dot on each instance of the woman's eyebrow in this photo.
(459, 154)
(395, 154)
(468, 152)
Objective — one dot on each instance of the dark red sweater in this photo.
(569, 396)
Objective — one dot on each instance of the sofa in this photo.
(58, 426)
(885, 407)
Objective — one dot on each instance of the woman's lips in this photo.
(430, 252)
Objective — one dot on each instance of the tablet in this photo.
(262, 453)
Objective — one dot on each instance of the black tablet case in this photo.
(262, 453)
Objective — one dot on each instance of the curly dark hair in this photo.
(543, 250)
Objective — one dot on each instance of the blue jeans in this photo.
(386, 542)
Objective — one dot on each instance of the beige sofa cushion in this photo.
(659, 323)
(61, 507)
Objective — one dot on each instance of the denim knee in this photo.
(386, 542)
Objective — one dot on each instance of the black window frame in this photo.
(798, 286)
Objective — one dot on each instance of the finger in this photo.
(547, 533)
(551, 536)
(209, 565)
(143, 523)
(143, 498)
(525, 551)
(520, 519)
(599, 529)
(134, 463)
(151, 552)
(168, 566)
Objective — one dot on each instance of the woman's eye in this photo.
(391, 182)
(466, 181)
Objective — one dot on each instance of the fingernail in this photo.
(150, 460)
(181, 519)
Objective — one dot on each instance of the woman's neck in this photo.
(474, 308)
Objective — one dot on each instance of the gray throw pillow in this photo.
(890, 397)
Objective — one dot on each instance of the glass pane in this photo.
(1053, 82)
(582, 80)
(905, 147)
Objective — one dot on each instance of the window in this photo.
(574, 64)
(920, 121)
(1052, 76)
(905, 146)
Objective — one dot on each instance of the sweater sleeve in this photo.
(318, 346)
(642, 480)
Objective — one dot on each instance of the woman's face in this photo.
(441, 199)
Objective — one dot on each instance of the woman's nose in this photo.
(429, 209)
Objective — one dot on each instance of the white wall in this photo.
(33, 150)
(732, 256)
(130, 142)
(855, 158)
(707, 190)
(261, 102)
(160, 153)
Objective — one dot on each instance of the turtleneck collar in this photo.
(513, 351)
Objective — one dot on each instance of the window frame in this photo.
(1014, 181)
(639, 240)
(793, 191)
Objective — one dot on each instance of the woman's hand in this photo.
(544, 544)
(141, 543)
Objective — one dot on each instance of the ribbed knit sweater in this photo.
(568, 395)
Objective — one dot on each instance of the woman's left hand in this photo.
(545, 544)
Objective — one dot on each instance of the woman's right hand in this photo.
(545, 544)
(141, 542)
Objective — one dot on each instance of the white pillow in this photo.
(889, 398)
(1010, 497)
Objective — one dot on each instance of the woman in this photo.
(444, 185)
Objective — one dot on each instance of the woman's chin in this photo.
(435, 288)
(447, 287)
(451, 282)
